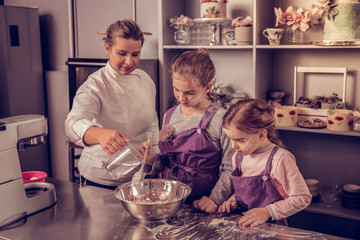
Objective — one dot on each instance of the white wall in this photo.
(93, 16)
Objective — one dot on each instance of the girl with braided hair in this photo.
(268, 185)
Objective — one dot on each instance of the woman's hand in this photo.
(141, 152)
(254, 217)
(110, 140)
(228, 206)
(205, 204)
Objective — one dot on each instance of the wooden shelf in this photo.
(225, 47)
(222, 47)
(322, 130)
(304, 46)
(337, 210)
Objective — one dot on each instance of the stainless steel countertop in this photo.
(95, 213)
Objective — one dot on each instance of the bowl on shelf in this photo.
(350, 196)
(34, 176)
(313, 185)
(156, 199)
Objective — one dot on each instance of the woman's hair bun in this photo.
(204, 51)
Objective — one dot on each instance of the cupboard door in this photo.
(92, 16)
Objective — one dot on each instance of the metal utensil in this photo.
(139, 175)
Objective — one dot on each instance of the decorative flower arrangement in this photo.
(217, 92)
(304, 101)
(182, 20)
(356, 114)
(327, 8)
(225, 96)
(315, 102)
(205, 1)
(166, 133)
(242, 22)
(298, 18)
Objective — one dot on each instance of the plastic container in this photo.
(34, 176)
(124, 163)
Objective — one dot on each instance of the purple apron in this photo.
(256, 191)
(194, 159)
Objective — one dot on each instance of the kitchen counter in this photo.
(95, 213)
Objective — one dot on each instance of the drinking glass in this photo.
(329, 194)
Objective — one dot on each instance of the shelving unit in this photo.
(322, 131)
(337, 210)
(262, 67)
(257, 68)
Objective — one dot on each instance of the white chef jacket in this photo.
(110, 100)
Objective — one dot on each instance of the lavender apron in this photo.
(194, 159)
(256, 191)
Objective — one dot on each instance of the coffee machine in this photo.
(19, 199)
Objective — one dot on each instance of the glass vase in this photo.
(295, 36)
(182, 35)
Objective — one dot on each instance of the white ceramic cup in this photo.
(273, 35)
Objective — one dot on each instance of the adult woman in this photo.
(114, 106)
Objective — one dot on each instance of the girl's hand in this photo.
(141, 152)
(254, 217)
(205, 204)
(228, 206)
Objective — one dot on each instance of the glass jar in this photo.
(182, 35)
(356, 124)
(295, 36)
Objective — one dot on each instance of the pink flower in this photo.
(280, 17)
(356, 114)
(182, 20)
(323, 1)
(241, 21)
(298, 18)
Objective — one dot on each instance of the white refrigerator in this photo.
(21, 75)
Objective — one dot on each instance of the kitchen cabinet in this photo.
(92, 17)
(257, 68)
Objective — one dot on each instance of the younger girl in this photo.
(268, 185)
(194, 148)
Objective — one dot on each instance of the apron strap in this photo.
(268, 164)
(209, 113)
(168, 114)
(238, 161)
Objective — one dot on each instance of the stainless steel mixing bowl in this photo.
(156, 199)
